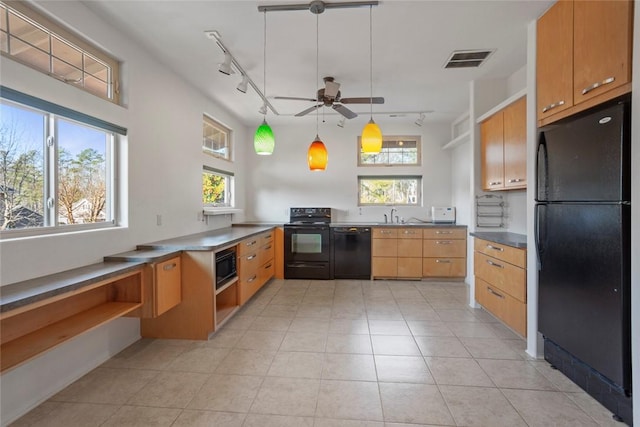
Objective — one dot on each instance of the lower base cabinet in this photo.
(501, 282)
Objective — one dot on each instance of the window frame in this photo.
(229, 188)
(52, 114)
(394, 138)
(57, 31)
(419, 197)
(210, 121)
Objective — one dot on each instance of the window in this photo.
(389, 190)
(215, 138)
(396, 151)
(217, 188)
(56, 173)
(37, 42)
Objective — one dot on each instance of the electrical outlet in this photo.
(158, 219)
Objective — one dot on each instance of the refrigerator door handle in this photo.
(536, 234)
(542, 165)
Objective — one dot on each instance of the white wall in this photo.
(283, 180)
(162, 163)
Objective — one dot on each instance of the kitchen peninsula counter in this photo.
(503, 237)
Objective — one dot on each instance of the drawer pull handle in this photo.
(169, 266)
(444, 232)
(443, 261)
(596, 85)
(495, 264)
(267, 266)
(516, 180)
(443, 242)
(253, 242)
(250, 257)
(385, 232)
(495, 248)
(495, 183)
(252, 279)
(552, 106)
(267, 248)
(495, 293)
(409, 232)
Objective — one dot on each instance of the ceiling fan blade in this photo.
(295, 99)
(374, 100)
(331, 89)
(344, 111)
(308, 110)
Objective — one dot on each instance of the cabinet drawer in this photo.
(384, 233)
(410, 267)
(502, 275)
(506, 253)
(410, 247)
(266, 238)
(444, 233)
(249, 286)
(248, 264)
(384, 267)
(267, 271)
(384, 247)
(409, 233)
(444, 267)
(266, 253)
(444, 248)
(168, 285)
(249, 245)
(506, 308)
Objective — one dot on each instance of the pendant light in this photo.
(371, 139)
(264, 141)
(317, 155)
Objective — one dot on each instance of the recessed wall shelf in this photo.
(460, 132)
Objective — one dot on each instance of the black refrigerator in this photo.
(583, 232)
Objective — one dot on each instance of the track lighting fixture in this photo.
(341, 122)
(420, 120)
(225, 67)
(242, 86)
(263, 110)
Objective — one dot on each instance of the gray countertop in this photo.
(209, 240)
(503, 237)
(144, 255)
(30, 291)
(410, 224)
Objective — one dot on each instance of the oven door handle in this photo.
(304, 265)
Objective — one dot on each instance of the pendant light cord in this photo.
(317, 63)
(370, 62)
(264, 70)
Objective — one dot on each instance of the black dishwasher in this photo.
(351, 252)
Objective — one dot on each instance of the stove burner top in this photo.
(307, 216)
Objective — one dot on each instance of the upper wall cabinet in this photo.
(503, 137)
(583, 56)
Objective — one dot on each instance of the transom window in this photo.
(389, 190)
(56, 173)
(217, 188)
(396, 151)
(30, 38)
(216, 138)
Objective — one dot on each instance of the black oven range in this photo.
(307, 246)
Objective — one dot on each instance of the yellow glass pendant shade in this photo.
(317, 155)
(371, 139)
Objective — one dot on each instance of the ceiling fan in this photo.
(329, 96)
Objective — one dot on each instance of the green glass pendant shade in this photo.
(264, 141)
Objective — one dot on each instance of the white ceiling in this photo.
(411, 42)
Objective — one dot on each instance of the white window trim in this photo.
(396, 177)
(416, 138)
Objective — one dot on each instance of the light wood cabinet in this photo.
(503, 155)
(583, 56)
(501, 282)
(417, 252)
(166, 286)
(256, 264)
(444, 252)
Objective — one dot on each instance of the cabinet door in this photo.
(410, 267)
(554, 62)
(515, 145)
(384, 267)
(491, 136)
(384, 247)
(602, 47)
(410, 247)
(168, 286)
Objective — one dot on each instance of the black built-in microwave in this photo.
(226, 268)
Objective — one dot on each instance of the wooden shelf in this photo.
(223, 314)
(227, 285)
(30, 345)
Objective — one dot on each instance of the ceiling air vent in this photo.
(467, 58)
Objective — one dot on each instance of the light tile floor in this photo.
(332, 353)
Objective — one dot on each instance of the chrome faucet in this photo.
(391, 216)
(385, 218)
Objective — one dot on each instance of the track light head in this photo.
(341, 122)
(420, 120)
(242, 86)
(225, 67)
(263, 109)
